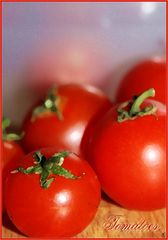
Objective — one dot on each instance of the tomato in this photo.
(145, 75)
(11, 153)
(63, 118)
(128, 153)
(52, 194)
(11, 150)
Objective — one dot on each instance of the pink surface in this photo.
(74, 42)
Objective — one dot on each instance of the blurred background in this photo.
(95, 43)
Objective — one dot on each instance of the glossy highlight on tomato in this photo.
(71, 110)
(129, 155)
(61, 208)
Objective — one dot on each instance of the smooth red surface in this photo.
(11, 153)
(145, 75)
(81, 108)
(62, 210)
(130, 159)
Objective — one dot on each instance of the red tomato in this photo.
(145, 75)
(63, 207)
(11, 151)
(129, 158)
(79, 106)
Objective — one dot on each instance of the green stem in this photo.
(51, 103)
(140, 99)
(48, 166)
(6, 122)
(131, 109)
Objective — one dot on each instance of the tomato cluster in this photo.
(76, 142)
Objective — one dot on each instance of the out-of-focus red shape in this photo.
(82, 106)
(148, 74)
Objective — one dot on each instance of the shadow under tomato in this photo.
(6, 222)
(109, 200)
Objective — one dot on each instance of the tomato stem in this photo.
(48, 166)
(6, 122)
(140, 99)
(134, 109)
(51, 103)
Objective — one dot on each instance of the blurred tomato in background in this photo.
(148, 74)
(78, 109)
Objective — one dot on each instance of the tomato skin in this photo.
(130, 159)
(80, 105)
(12, 152)
(62, 210)
(141, 77)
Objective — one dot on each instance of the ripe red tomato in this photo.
(11, 150)
(143, 76)
(63, 118)
(54, 194)
(11, 153)
(129, 156)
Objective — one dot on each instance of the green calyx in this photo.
(6, 122)
(51, 103)
(46, 167)
(134, 109)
